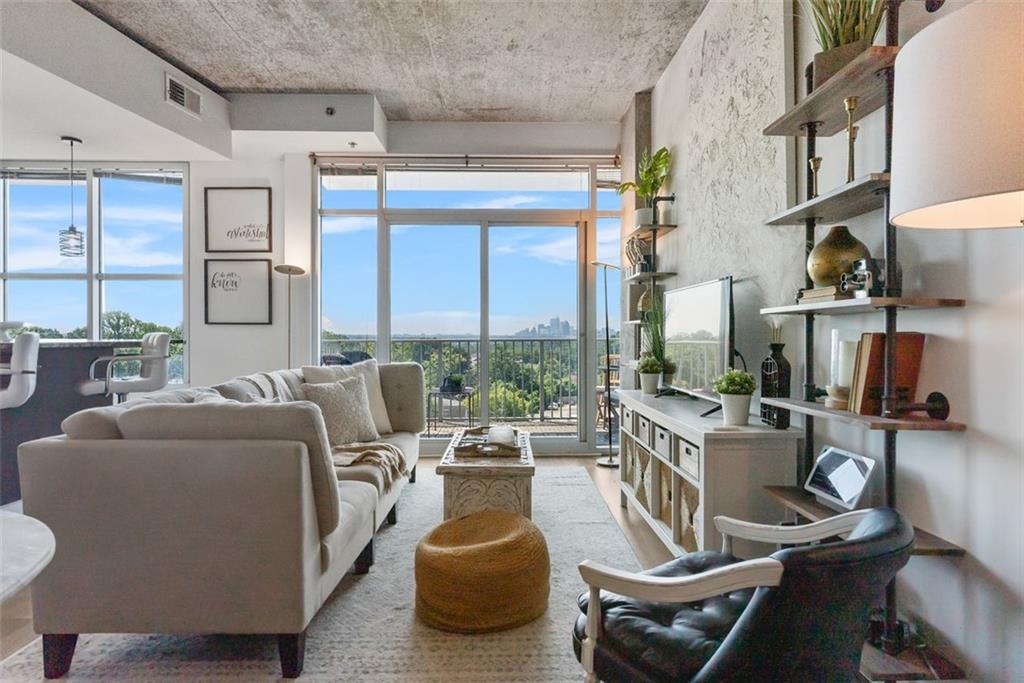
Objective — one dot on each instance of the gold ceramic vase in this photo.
(834, 256)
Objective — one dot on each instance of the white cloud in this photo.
(511, 202)
(563, 250)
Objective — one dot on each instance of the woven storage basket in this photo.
(487, 571)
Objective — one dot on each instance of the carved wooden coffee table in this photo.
(481, 482)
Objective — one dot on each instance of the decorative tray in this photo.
(476, 441)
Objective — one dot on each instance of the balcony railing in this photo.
(534, 381)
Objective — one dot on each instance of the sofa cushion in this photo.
(372, 474)
(296, 421)
(238, 389)
(289, 384)
(101, 422)
(346, 410)
(366, 369)
(402, 386)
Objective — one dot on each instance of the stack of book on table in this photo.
(816, 295)
(868, 384)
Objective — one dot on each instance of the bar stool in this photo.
(21, 370)
(153, 360)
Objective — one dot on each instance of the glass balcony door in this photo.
(491, 312)
(532, 325)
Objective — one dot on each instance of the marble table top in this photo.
(26, 547)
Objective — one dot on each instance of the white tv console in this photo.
(679, 470)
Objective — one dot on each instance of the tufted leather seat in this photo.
(672, 640)
(809, 628)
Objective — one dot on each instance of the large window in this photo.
(130, 280)
(480, 272)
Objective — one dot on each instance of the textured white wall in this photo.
(727, 81)
(724, 85)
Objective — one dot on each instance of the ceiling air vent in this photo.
(180, 95)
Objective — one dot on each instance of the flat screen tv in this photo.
(699, 334)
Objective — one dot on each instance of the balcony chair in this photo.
(21, 371)
(153, 365)
(801, 614)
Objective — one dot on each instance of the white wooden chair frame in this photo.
(764, 571)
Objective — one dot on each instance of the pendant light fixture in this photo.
(72, 241)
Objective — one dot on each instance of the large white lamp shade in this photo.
(958, 121)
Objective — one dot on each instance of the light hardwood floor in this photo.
(16, 614)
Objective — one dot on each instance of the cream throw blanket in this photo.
(388, 457)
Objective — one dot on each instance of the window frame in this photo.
(94, 276)
(585, 217)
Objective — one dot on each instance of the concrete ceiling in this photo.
(425, 60)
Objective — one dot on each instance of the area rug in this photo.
(367, 631)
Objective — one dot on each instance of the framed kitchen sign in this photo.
(238, 219)
(238, 292)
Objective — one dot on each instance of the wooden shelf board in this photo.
(648, 276)
(859, 78)
(875, 422)
(646, 232)
(633, 322)
(806, 505)
(865, 305)
(838, 204)
(913, 664)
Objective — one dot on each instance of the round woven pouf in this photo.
(487, 571)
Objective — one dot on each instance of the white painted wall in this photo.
(220, 352)
(71, 43)
(966, 488)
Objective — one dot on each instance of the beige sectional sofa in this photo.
(180, 512)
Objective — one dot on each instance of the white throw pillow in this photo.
(346, 410)
(367, 369)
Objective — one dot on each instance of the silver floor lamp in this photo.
(610, 461)
(288, 270)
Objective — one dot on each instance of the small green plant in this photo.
(457, 379)
(668, 366)
(652, 170)
(735, 382)
(840, 22)
(649, 365)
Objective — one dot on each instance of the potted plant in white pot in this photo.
(650, 369)
(652, 170)
(735, 388)
(844, 29)
(654, 336)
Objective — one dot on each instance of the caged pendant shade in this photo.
(958, 121)
(71, 241)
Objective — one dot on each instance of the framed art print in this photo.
(238, 292)
(238, 219)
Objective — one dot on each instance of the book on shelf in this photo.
(868, 383)
(819, 294)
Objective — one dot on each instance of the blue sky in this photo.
(435, 286)
(435, 272)
(142, 233)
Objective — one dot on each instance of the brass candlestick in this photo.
(851, 136)
(815, 164)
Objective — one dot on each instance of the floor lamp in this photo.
(288, 270)
(610, 461)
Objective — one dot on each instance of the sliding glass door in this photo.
(532, 323)
(491, 313)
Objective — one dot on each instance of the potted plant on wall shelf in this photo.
(652, 170)
(735, 388)
(844, 29)
(650, 369)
